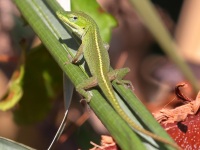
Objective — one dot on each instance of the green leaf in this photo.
(15, 90)
(41, 84)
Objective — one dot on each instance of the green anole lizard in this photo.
(97, 59)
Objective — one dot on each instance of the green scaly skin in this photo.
(97, 58)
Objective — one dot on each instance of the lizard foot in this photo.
(125, 83)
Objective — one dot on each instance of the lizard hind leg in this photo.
(126, 83)
(118, 75)
(84, 86)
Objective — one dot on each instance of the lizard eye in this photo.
(75, 18)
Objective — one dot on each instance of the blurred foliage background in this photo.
(36, 118)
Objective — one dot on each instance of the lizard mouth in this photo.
(65, 19)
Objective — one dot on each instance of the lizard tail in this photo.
(138, 128)
(108, 91)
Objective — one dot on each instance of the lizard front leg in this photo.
(78, 54)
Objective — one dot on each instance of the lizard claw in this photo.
(125, 83)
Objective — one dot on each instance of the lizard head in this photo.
(77, 21)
